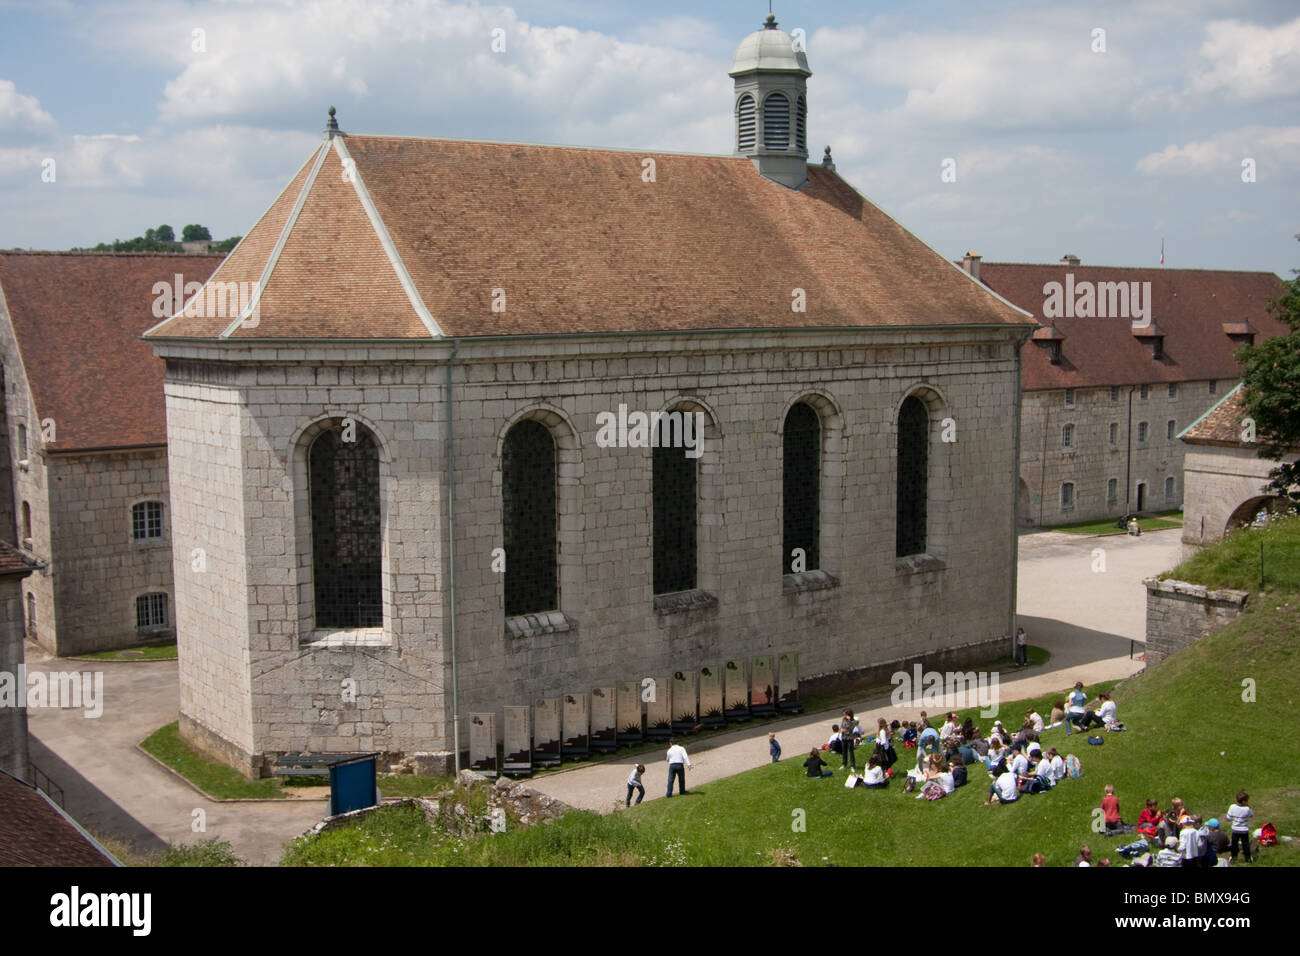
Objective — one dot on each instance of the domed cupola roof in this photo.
(769, 49)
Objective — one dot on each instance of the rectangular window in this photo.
(1069, 396)
(1214, 386)
(1173, 389)
(1112, 490)
(150, 611)
(22, 442)
(1114, 433)
(1169, 489)
(1142, 432)
(1067, 436)
(1114, 393)
(1170, 430)
(1143, 391)
(146, 520)
(1067, 496)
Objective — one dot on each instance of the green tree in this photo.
(1271, 391)
(194, 232)
(225, 245)
(163, 233)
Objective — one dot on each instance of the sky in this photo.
(1101, 129)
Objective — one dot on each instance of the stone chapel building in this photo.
(391, 503)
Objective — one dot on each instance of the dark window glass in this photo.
(146, 520)
(151, 611)
(913, 452)
(801, 480)
(528, 515)
(345, 532)
(674, 515)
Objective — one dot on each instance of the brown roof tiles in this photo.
(34, 833)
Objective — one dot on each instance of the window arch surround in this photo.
(309, 631)
(570, 520)
(834, 440)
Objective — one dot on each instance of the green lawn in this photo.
(144, 652)
(215, 779)
(1235, 562)
(1191, 735)
(1107, 525)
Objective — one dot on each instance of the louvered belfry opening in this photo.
(801, 124)
(674, 506)
(528, 511)
(345, 529)
(913, 462)
(746, 123)
(801, 482)
(776, 122)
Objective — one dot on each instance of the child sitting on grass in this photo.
(814, 765)
(1150, 818)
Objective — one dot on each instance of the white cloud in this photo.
(1250, 62)
(20, 113)
(1274, 148)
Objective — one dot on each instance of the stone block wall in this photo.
(14, 757)
(1220, 479)
(1092, 460)
(1179, 614)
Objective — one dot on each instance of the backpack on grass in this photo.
(1073, 767)
(1096, 741)
(1268, 835)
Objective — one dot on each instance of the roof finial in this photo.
(827, 162)
(332, 127)
(770, 22)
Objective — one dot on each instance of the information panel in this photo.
(631, 728)
(576, 726)
(518, 742)
(711, 713)
(546, 731)
(483, 743)
(658, 696)
(762, 693)
(787, 683)
(684, 716)
(735, 688)
(604, 728)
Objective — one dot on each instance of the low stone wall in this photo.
(1179, 614)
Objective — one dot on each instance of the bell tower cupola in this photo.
(771, 103)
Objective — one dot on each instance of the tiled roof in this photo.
(1222, 424)
(77, 318)
(577, 242)
(1195, 309)
(13, 561)
(34, 833)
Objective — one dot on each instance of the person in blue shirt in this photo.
(773, 747)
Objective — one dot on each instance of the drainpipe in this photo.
(1015, 503)
(1042, 462)
(451, 551)
(1128, 455)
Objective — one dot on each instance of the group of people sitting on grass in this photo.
(1184, 838)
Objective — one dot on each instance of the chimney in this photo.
(1069, 259)
(971, 263)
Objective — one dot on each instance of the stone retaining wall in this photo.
(1179, 614)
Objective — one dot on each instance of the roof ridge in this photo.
(108, 253)
(1211, 410)
(573, 146)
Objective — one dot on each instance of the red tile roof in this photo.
(13, 561)
(34, 833)
(77, 318)
(1222, 424)
(1191, 307)
(579, 243)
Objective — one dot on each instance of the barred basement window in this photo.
(746, 124)
(343, 478)
(801, 123)
(801, 487)
(776, 122)
(674, 507)
(150, 611)
(913, 490)
(146, 520)
(528, 513)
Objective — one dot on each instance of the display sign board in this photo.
(711, 710)
(685, 719)
(604, 728)
(576, 726)
(483, 743)
(762, 692)
(787, 683)
(518, 747)
(735, 689)
(630, 725)
(546, 731)
(658, 697)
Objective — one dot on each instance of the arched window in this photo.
(674, 505)
(27, 524)
(528, 491)
(343, 477)
(22, 442)
(801, 124)
(31, 614)
(801, 484)
(146, 520)
(746, 124)
(913, 477)
(776, 122)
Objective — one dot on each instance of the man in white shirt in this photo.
(1003, 789)
(1019, 764)
(1107, 711)
(677, 764)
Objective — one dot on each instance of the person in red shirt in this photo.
(1150, 819)
(1110, 806)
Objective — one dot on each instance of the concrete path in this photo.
(1086, 618)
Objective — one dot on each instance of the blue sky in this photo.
(1058, 147)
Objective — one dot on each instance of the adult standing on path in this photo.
(1022, 648)
(678, 761)
(849, 732)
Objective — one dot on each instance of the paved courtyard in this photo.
(1087, 617)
